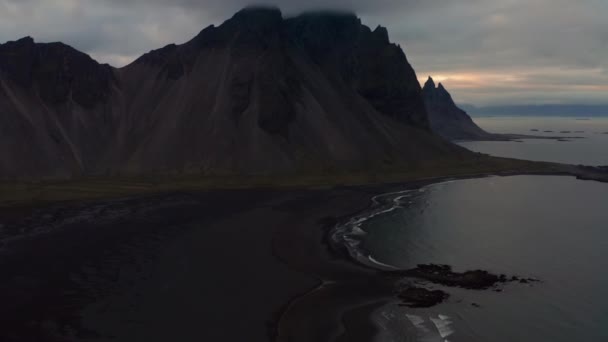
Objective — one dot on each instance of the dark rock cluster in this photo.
(418, 297)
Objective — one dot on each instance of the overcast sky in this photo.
(484, 51)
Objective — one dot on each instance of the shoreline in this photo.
(287, 243)
(18, 194)
(372, 284)
(441, 275)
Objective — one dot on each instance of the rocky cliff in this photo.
(257, 95)
(446, 119)
(55, 110)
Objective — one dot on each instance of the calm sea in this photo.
(592, 150)
(546, 227)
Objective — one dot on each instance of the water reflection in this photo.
(552, 228)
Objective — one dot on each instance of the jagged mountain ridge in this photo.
(259, 95)
(446, 119)
(452, 123)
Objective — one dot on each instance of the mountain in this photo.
(446, 119)
(257, 95)
(58, 110)
(539, 110)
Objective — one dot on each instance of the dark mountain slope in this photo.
(447, 119)
(452, 123)
(55, 110)
(258, 95)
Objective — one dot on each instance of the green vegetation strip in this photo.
(22, 193)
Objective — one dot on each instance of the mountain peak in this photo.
(382, 33)
(258, 14)
(26, 40)
(436, 94)
(445, 117)
(430, 84)
(443, 93)
(57, 72)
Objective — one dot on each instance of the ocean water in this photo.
(551, 228)
(591, 150)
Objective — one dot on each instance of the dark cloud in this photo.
(485, 51)
(226, 7)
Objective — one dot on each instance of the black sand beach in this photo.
(227, 265)
(224, 265)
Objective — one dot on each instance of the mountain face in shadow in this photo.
(446, 119)
(57, 107)
(258, 95)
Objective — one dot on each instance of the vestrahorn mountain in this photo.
(258, 95)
